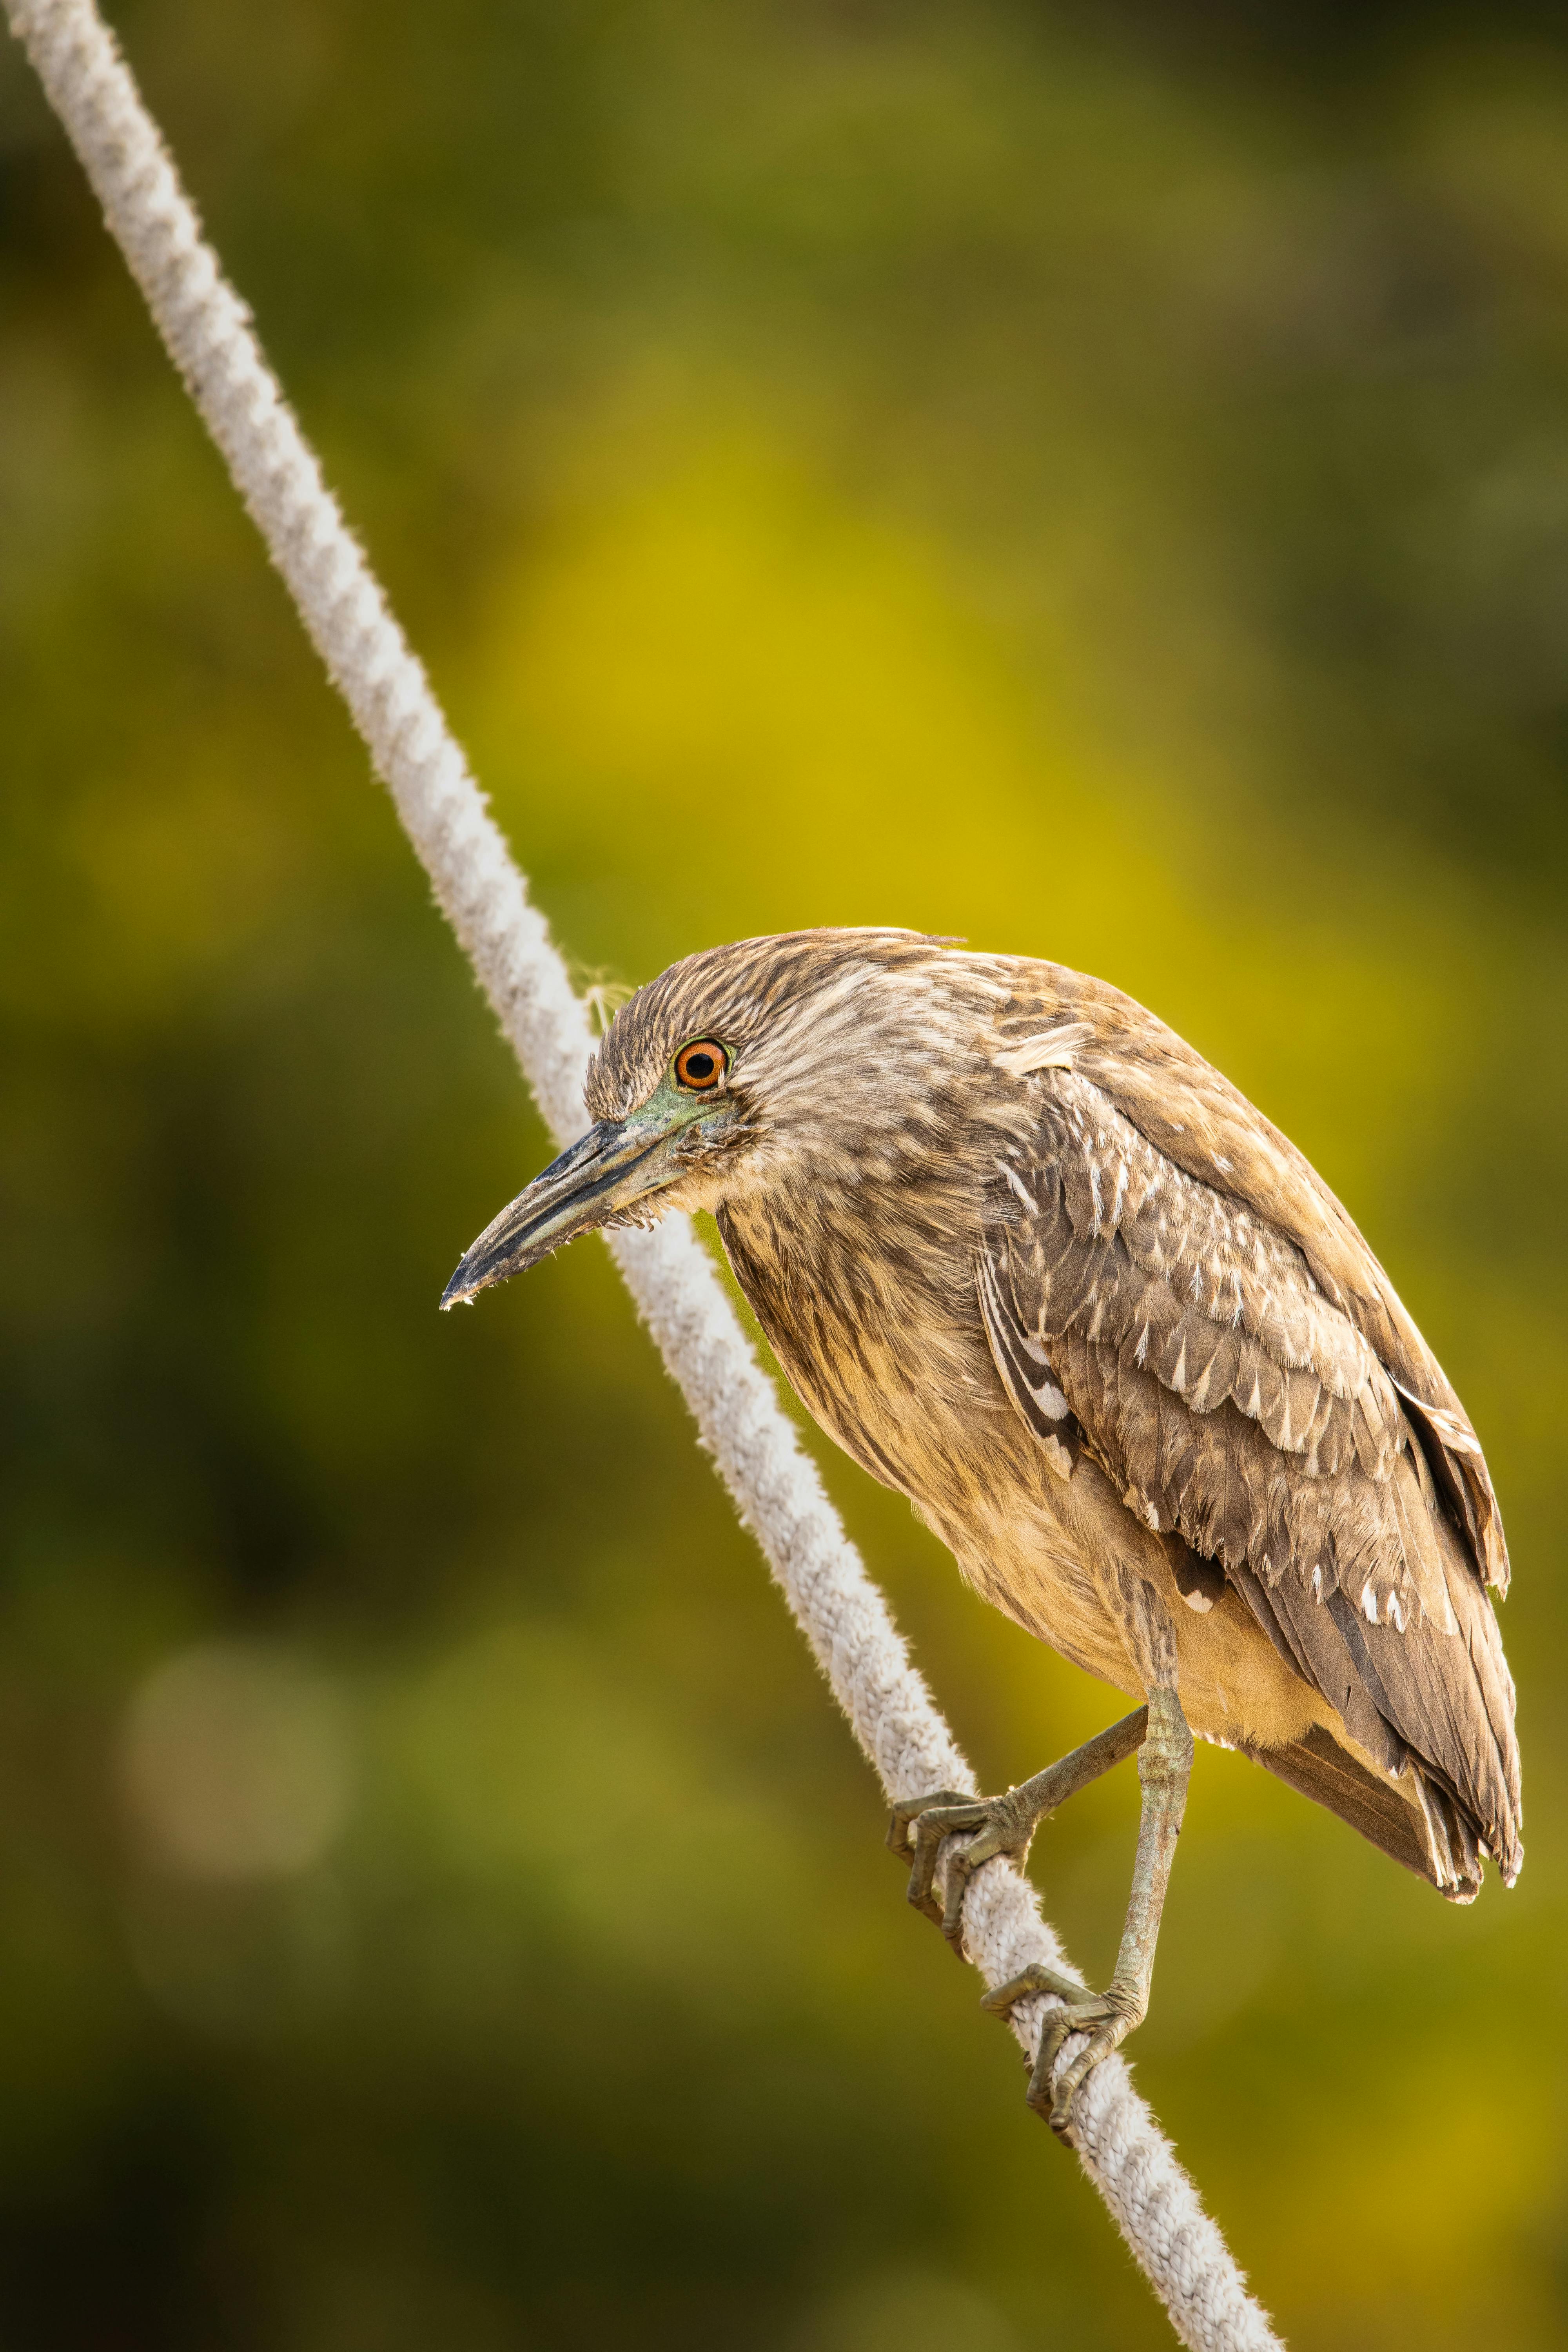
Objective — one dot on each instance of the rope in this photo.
(775, 1486)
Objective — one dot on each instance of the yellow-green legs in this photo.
(1007, 1825)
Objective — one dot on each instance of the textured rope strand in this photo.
(775, 1486)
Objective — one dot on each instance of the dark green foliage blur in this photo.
(1091, 479)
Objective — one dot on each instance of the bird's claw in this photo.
(1106, 2018)
(919, 1827)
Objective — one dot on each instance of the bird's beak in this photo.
(615, 1165)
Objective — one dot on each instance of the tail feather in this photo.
(1438, 1844)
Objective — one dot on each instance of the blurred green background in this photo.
(1089, 478)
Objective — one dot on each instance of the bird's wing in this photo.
(1207, 1128)
(1234, 1401)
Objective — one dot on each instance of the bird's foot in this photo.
(993, 1825)
(1107, 2018)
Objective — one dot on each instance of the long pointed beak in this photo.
(615, 1164)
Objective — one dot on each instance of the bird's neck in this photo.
(866, 1293)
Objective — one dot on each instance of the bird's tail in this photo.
(1438, 1844)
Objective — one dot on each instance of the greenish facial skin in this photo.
(617, 1164)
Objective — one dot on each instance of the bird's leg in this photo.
(1164, 1766)
(1006, 1824)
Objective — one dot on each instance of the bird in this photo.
(1032, 1262)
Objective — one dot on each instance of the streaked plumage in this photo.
(1031, 1261)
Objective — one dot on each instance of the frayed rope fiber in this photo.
(775, 1486)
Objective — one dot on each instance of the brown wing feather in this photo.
(1204, 1126)
(1235, 1400)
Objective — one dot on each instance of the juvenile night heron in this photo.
(1032, 1262)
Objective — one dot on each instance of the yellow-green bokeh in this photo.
(1091, 482)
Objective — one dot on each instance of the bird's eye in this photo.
(700, 1066)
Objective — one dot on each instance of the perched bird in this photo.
(1033, 1262)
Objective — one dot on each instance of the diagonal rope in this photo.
(775, 1486)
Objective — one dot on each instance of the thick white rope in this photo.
(775, 1486)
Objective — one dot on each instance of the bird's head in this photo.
(826, 1055)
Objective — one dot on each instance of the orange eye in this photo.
(700, 1066)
